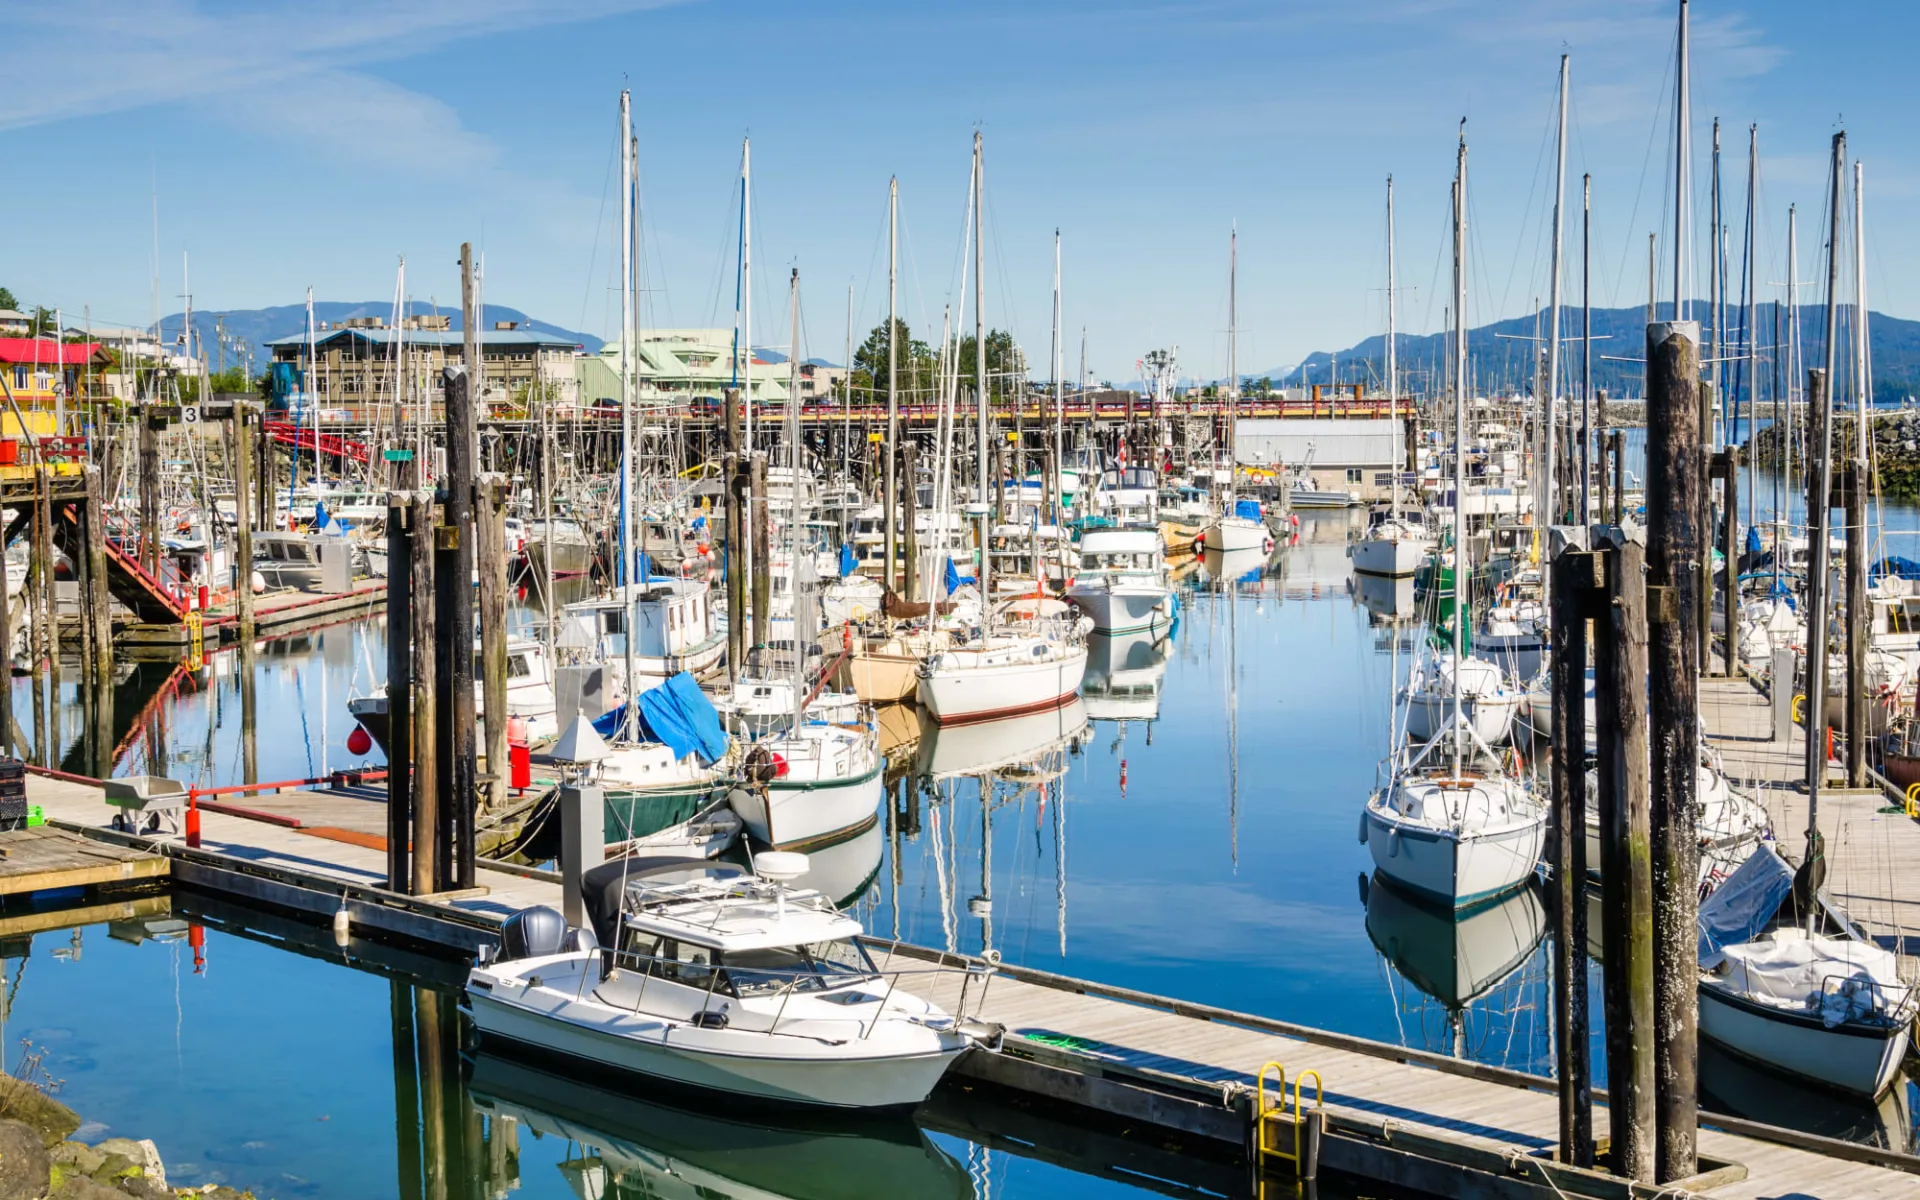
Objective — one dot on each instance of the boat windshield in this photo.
(813, 968)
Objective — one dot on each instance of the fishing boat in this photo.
(558, 548)
(713, 978)
(675, 630)
(1804, 994)
(1121, 582)
(530, 695)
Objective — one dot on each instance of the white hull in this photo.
(567, 557)
(1453, 868)
(1126, 608)
(1854, 1057)
(717, 1060)
(1392, 557)
(1229, 534)
(956, 690)
(809, 814)
(1491, 717)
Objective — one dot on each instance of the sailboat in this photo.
(1453, 823)
(1239, 525)
(1396, 545)
(1006, 668)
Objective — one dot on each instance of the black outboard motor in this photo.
(532, 933)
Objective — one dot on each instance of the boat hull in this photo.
(1491, 717)
(881, 678)
(1392, 558)
(1860, 1058)
(1460, 870)
(1124, 609)
(651, 1049)
(955, 696)
(801, 816)
(563, 558)
(1228, 536)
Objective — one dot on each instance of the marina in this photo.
(449, 755)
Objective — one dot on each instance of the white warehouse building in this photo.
(1346, 454)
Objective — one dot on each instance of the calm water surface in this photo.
(1190, 832)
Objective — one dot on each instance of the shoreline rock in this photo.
(1895, 451)
(40, 1161)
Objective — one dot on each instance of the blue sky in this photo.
(315, 143)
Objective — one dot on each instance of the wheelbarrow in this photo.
(147, 803)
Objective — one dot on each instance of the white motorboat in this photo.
(530, 694)
(1486, 698)
(1826, 1006)
(1394, 548)
(1121, 583)
(1002, 675)
(707, 977)
(1124, 673)
(675, 630)
(1233, 534)
(1305, 494)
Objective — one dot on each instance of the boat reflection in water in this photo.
(1234, 566)
(949, 751)
(1124, 672)
(1462, 959)
(1387, 601)
(846, 869)
(631, 1148)
(1730, 1084)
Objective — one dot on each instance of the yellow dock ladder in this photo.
(1287, 1138)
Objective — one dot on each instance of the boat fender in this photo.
(1363, 827)
(1393, 843)
(711, 1018)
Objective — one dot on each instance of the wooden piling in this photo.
(244, 517)
(399, 692)
(1819, 502)
(1676, 552)
(1856, 708)
(148, 463)
(98, 604)
(736, 563)
(1574, 590)
(423, 672)
(1600, 443)
(1701, 626)
(1619, 477)
(1626, 882)
(39, 633)
(490, 534)
(7, 738)
(760, 517)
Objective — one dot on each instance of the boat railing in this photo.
(792, 982)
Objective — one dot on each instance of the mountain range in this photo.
(1500, 355)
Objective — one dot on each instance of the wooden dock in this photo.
(1872, 846)
(47, 859)
(1169, 1072)
(274, 613)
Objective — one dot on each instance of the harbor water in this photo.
(1187, 828)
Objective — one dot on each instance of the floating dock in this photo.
(1169, 1072)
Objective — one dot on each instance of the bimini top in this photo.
(716, 905)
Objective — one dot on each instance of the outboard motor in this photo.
(532, 933)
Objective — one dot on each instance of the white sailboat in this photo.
(1396, 546)
(1453, 824)
(1232, 530)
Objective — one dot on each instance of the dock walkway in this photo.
(1408, 1117)
(1872, 848)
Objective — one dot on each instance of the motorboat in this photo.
(1121, 582)
(1486, 698)
(530, 695)
(714, 978)
(1236, 531)
(1304, 493)
(302, 561)
(1802, 993)
(675, 630)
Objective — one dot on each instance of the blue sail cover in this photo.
(1742, 907)
(1248, 510)
(1905, 568)
(678, 715)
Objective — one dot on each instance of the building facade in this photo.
(677, 368)
(1346, 454)
(356, 362)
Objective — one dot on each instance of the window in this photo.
(20, 377)
(1353, 475)
(812, 968)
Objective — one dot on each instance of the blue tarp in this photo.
(1753, 540)
(847, 561)
(1742, 907)
(1247, 509)
(1905, 568)
(678, 715)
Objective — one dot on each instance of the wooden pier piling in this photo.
(737, 492)
(245, 515)
(400, 691)
(490, 532)
(1575, 589)
(424, 672)
(1676, 550)
(1626, 879)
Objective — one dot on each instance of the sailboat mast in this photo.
(626, 572)
(1682, 154)
(1752, 290)
(980, 339)
(746, 297)
(1586, 349)
(1058, 368)
(891, 452)
(1862, 385)
(1393, 363)
(1460, 572)
(1233, 365)
(1549, 402)
(794, 539)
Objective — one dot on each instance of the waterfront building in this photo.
(1339, 453)
(43, 373)
(355, 361)
(678, 367)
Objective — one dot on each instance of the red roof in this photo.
(47, 352)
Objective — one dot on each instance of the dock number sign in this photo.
(190, 414)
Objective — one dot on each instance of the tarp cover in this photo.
(1247, 509)
(1841, 979)
(678, 715)
(1745, 904)
(1893, 564)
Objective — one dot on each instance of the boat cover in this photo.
(1247, 510)
(603, 888)
(1839, 978)
(1745, 904)
(678, 715)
